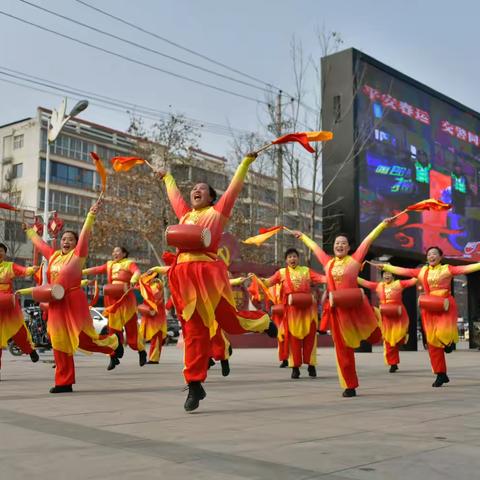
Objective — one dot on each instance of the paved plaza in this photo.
(255, 424)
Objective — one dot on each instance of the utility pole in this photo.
(279, 155)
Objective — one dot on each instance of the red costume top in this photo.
(440, 327)
(119, 271)
(11, 319)
(71, 315)
(394, 329)
(198, 280)
(293, 280)
(356, 324)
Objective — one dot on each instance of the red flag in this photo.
(124, 164)
(7, 206)
(429, 204)
(254, 290)
(304, 138)
(146, 290)
(100, 169)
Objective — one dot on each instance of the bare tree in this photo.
(137, 210)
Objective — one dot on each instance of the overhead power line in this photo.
(144, 47)
(175, 44)
(109, 103)
(129, 59)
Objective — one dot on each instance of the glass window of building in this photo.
(18, 141)
(68, 175)
(17, 170)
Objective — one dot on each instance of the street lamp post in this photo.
(54, 126)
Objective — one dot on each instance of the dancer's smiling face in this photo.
(200, 196)
(434, 256)
(292, 259)
(341, 246)
(118, 253)
(68, 242)
(387, 277)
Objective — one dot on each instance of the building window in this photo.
(17, 170)
(64, 202)
(68, 175)
(14, 232)
(18, 141)
(70, 147)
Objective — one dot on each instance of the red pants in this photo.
(437, 359)
(345, 356)
(155, 347)
(392, 353)
(131, 329)
(305, 350)
(282, 350)
(65, 366)
(219, 346)
(22, 340)
(197, 345)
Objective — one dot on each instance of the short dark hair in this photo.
(290, 251)
(439, 250)
(124, 250)
(2, 245)
(75, 234)
(212, 192)
(342, 234)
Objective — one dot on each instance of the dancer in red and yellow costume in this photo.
(278, 319)
(70, 325)
(153, 326)
(199, 282)
(393, 315)
(12, 323)
(302, 323)
(440, 326)
(349, 326)
(123, 312)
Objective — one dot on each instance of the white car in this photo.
(99, 321)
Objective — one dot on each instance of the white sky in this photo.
(430, 40)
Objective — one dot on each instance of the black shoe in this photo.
(225, 368)
(195, 394)
(272, 330)
(440, 380)
(151, 362)
(295, 372)
(449, 348)
(119, 350)
(393, 368)
(211, 362)
(230, 350)
(34, 356)
(284, 364)
(61, 389)
(312, 371)
(114, 361)
(349, 392)
(142, 358)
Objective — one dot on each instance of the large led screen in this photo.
(411, 146)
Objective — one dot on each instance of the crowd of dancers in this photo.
(202, 295)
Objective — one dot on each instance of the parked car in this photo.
(100, 322)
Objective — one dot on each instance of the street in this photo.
(255, 424)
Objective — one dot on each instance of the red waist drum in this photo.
(391, 309)
(123, 276)
(278, 309)
(48, 293)
(188, 237)
(346, 298)
(432, 303)
(115, 290)
(300, 299)
(7, 300)
(145, 310)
